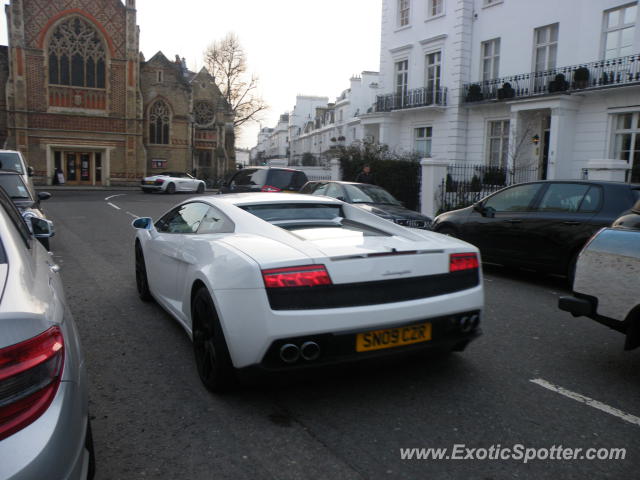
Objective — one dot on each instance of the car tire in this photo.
(209, 346)
(88, 444)
(200, 188)
(142, 282)
(171, 189)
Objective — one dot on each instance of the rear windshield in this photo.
(284, 179)
(11, 161)
(615, 242)
(14, 186)
(294, 211)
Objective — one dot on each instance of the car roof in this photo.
(263, 167)
(589, 182)
(341, 182)
(239, 199)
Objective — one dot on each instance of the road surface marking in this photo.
(113, 196)
(133, 215)
(587, 401)
(114, 206)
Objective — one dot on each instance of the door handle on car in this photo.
(572, 223)
(513, 221)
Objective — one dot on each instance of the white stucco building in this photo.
(549, 84)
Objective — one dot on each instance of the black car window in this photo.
(215, 222)
(243, 177)
(299, 179)
(11, 161)
(282, 179)
(514, 199)
(14, 186)
(183, 219)
(294, 211)
(370, 194)
(321, 189)
(15, 217)
(592, 200)
(334, 190)
(308, 188)
(564, 197)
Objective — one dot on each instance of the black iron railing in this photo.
(603, 73)
(465, 184)
(418, 97)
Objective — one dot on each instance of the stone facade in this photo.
(77, 96)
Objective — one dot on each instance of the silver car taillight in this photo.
(30, 373)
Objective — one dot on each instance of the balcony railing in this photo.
(603, 73)
(71, 97)
(418, 97)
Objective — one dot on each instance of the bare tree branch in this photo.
(227, 62)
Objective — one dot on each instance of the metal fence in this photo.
(465, 184)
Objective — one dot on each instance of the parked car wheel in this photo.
(212, 355)
(141, 276)
(201, 188)
(171, 189)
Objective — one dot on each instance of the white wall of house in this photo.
(580, 123)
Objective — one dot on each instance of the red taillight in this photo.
(30, 374)
(463, 261)
(307, 276)
(159, 182)
(269, 188)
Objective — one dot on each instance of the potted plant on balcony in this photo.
(558, 84)
(474, 94)
(581, 77)
(506, 91)
(341, 138)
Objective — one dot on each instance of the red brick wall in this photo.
(81, 123)
(117, 74)
(36, 92)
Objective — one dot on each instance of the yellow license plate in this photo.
(393, 337)
(149, 182)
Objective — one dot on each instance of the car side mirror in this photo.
(478, 207)
(42, 228)
(342, 199)
(44, 196)
(30, 171)
(143, 223)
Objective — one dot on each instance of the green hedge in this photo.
(398, 174)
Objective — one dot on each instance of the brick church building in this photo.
(77, 96)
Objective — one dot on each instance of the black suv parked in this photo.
(264, 179)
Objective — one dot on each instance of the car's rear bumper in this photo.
(54, 445)
(152, 188)
(251, 327)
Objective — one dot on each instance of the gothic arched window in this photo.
(77, 55)
(204, 113)
(159, 120)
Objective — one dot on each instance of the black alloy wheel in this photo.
(142, 283)
(171, 189)
(212, 355)
(201, 188)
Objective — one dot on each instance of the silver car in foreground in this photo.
(44, 422)
(607, 281)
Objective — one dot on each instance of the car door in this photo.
(490, 226)
(163, 252)
(559, 223)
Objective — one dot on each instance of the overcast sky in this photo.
(309, 47)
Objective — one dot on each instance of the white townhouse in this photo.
(550, 84)
(279, 139)
(259, 152)
(302, 114)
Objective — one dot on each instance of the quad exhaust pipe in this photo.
(290, 353)
(468, 323)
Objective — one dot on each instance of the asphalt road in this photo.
(153, 419)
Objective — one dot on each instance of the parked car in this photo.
(264, 179)
(14, 161)
(172, 182)
(372, 198)
(607, 281)
(541, 225)
(281, 282)
(44, 422)
(25, 198)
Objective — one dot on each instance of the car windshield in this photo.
(11, 161)
(294, 211)
(370, 194)
(14, 186)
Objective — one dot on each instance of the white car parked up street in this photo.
(277, 282)
(172, 182)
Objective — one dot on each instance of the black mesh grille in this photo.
(371, 293)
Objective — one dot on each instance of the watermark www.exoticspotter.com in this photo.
(517, 452)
